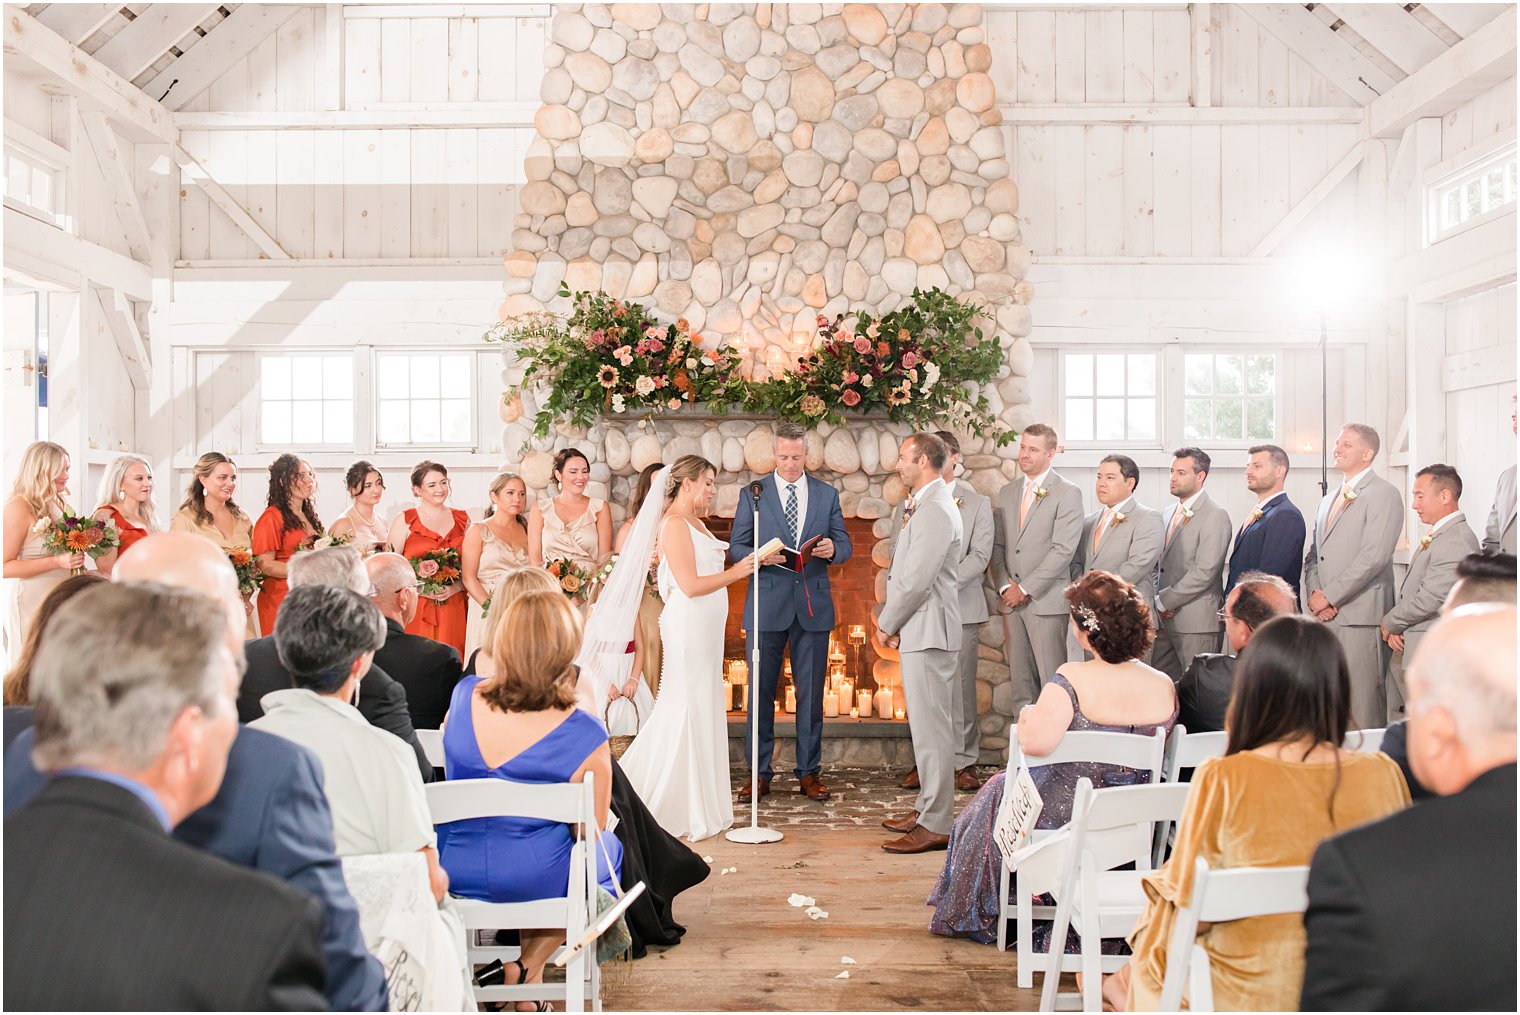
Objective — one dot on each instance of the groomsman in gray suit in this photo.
(1123, 537)
(1348, 571)
(922, 620)
(1499, 536)
(1036, 526)
(1189, 592)
(1432, 572)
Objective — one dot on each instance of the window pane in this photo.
(1451, 210)
(1472, 196)
(1259, 424)
(42, 188)
(1229, 419)
(393, 379)
(454, 374)
(1108, 371)
(1260, 375)
(338, 377)
(1197, 420)
(456, 420)
(275, 374)
(1079, 375)
(1229, 375)
(306, 378)
(306, 420)
(425, 422)
(424, 370)
(392, 419)
(1142, 375)
(274, 423)
(1079, 422)
(1200, 374)
(1109, 422)
(338, 422)
(1142, 419)
(17, 179)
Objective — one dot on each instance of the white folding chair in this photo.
(1126, 749)
(1364, 741)
(432, 746)
(1185, 750)
(1218, 897)
(571, 804)
(1109, 828)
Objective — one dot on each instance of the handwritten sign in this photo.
(1018, 814)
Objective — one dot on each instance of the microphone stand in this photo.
(753, 833)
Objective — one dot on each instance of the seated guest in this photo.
(511, 587)
(522, 725)
(18, 682)
(1283, 786)
(428, 669)
(1376, 941)
(382, 700)
(270, 813)
(134, 690)
(1204, 690)
(1482, 579)
(1113, 692)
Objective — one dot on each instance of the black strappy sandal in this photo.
(495, 975)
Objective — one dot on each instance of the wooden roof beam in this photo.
(1312, 40)
(219, 49)
(1468, 69)
(155, 31)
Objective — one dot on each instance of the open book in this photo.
(794, 558)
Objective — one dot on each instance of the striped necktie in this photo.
(791, 513)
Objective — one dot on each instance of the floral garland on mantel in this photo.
(916, 364)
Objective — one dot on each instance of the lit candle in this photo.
(854, 713)
(846, 690)
(863, 704)
(901, 715)
(830, 705)
(791, 699)
(858, 634)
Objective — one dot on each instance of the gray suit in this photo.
(1432, 573)
(923, 608)
(1188, 584)
(1351, 562)
(1499, 537)
(1129, 549)
(1037, 557)
(971, 574)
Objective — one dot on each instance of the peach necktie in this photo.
(1176, 522)
(1102, 527)
(1026, 502)
(1335, 509)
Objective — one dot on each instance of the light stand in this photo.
(1324, 405)
(754, 833)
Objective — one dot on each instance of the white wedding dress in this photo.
(679, 762)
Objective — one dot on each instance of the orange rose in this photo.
(883, 350)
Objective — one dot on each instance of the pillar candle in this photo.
(901, 714)
(830, 705)
(846, 691)
(863, 704)
(884, 702)
(791, 699)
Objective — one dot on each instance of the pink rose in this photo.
(823, 322)
(910, 360)
(851, 398)
(427, 569)
(850, 377)
(863, 345)
(624, 355)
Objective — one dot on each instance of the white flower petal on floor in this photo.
(846, 961)
(800, 900)
(844, 974)
(814, 913)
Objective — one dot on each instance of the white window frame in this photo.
(1157, 354)
(1471, 168)
(1178, 419)
(472, 443)
(260, 445)
(37, 161)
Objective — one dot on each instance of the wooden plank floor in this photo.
(746, 948)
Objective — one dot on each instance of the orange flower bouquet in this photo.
(250, 579)
(439, 570)
(72, 533)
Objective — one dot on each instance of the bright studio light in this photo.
(1331, 277)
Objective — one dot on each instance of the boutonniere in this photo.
(960, 501)
(1040, 493)
(1119, 518)
(1257, 515)
(1426, 540)
(1349, 496)
(1187, 515)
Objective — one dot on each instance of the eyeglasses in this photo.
(1224, 614)
(410, 586)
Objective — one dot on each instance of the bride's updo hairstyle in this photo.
(1112, 615)
(687, 467)
(534, 648)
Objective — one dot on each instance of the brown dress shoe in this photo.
(746, 792)
(902, 825)
(910, 781)
(812, 788)
(920, 840)
(966, 780)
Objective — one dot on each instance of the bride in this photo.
(679, 761)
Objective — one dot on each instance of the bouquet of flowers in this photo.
(72, 533)
(324, 541)
(249, 578)
(438, 569)
(573, 579)
(652, 580)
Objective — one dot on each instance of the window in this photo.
(31, 181)
(1473, 192)
(1110, 396)
(425, 398)
(1229, 397)
(306, 399)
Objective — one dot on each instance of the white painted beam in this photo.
(1018, 115)
(1201, 36)
(118, 177)
(121, 317)
(137, 46)
(1312, 200)
(1394, 32)
(46, 251)
(45, 147)
(1464, 19)
(397, 117)
(1466, 70)
(1312, 40)
(32, 48)
(77, 22)
(218, 50)
(196, 173)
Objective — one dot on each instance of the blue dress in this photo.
(517, 859)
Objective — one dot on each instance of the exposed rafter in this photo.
(121, 317)
(1464, 19)
(118, 177)
(1312, 40)
(222, 47)
(196, 173)
(155, 31)
(1394, 32)
(1312, 200)
(77, 22)
(1471, 67)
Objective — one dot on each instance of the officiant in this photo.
(796, 607)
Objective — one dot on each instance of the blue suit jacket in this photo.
(786, 597)
(270, 814)
(1275, 544)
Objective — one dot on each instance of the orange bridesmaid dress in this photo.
(128, 532)
(443, 622)
(271, 536)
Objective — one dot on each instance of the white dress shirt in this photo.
(1035, 483)
(802, 501)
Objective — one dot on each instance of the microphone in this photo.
(756, 489)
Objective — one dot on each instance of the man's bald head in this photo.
(1257, 598)
(188, 561)
(395, 586)
(1462, 697)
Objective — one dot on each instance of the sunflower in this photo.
(897, 395)
(607, 376)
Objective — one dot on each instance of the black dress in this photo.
(665, 864)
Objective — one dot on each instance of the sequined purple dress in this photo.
(965, 899)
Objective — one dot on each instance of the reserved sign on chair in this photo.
(1017, 816)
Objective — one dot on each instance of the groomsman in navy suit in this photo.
(796, 610)
(1271, 539)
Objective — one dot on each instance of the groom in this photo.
(922, 619)
(796, 610)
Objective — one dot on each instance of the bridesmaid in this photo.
(126, 501)
(42, 482)
(210, 511)
(571, 524)
(433, 525)
(646, 635)
(362, 519)
(290, 520)
(491, 549)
